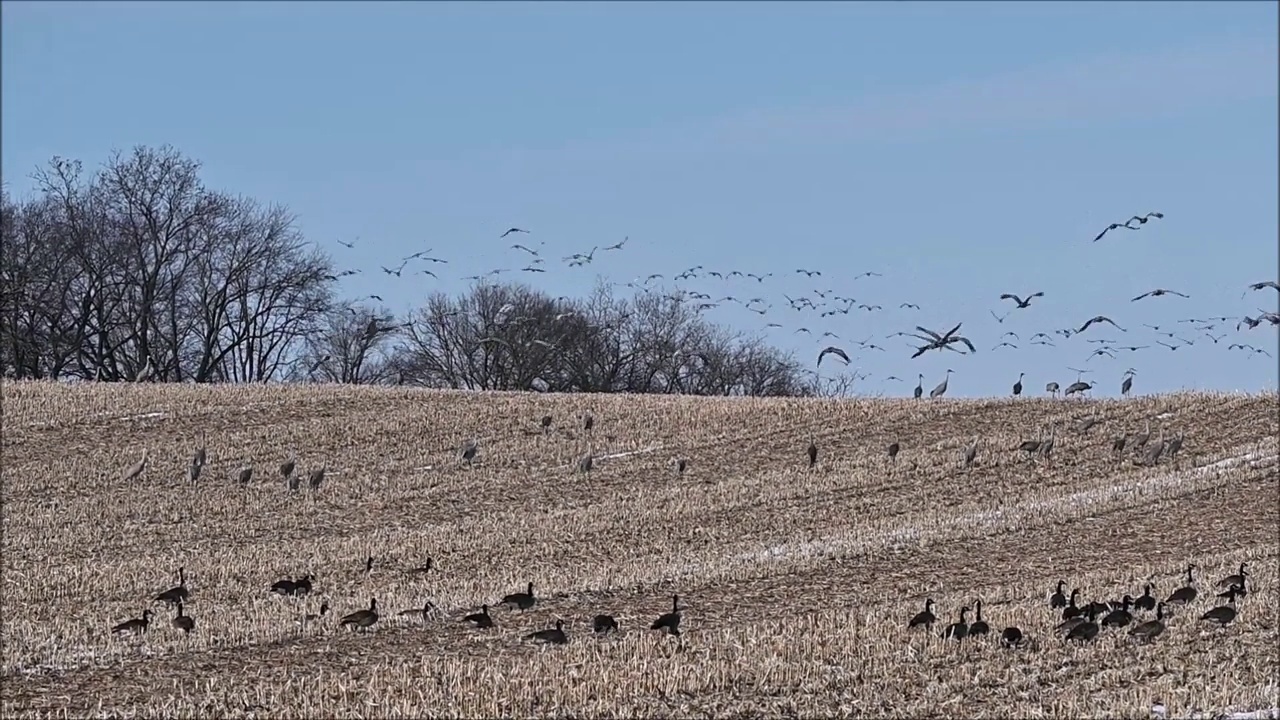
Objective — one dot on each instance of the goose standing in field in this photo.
(481, 619)
(554, 636)
(362, 619)
(1233, 580)
(175, 595)
(1071, 609)
(669, 622)
(133, 626)
(1119, 617)
(1224, 614)
(1151, 629)
(925, 617)
(979, 626)
(603, 624)
(424, 612)
(1186, 594)
(958, 630)
(1057, 599)
(183, 622)
(324, 610)
(1011, 637)
(1087, 630)
(1145, 601)
(523, 601)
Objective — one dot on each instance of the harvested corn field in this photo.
(795, 583)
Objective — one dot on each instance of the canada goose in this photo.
(554, 635)
(1186, 594)
(424, 611)
(362, 618)
(1119, 617)
(1123, 603)
(604, 624)
(481, 619)
(979, 626)
(1011, 637)
(1150, 629)
(924, 617)
(175, 595)
(894, 448)
(1057, 599)
(324, 610)
(1097, 608)
(1072, 610)
(1145, 601)
(284, 587)
(669, 622)
(303, 586)
(813, 454)
(1087, 630)
(524, 600)
(1233, 580)
(958, 630)
(183, 622)
(1234, 590)
(134, 626)
(1223, 614)
(546, 422)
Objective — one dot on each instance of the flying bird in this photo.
(512, 230)
(1021, 303)
(1158, 292)
(833, 350)
(1142, 219)
(1113, 226)
(1099, 319)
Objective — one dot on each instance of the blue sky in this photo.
(961, 150)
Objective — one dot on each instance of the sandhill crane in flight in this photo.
(1142, 219)
(1099, 319)
(1021, 303)
(1113, 226)
(937, 342)
(810, 273)
(833, 350)
(512, 230)
(1158, 292)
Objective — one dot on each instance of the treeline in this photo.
(139, 271)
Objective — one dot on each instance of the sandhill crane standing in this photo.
(971, 453)
(1052, 389)
(586, 463)
(1017, 387)
(813, 454)
(1078, 386)
(287, 467)
(469, 450)
(246, 474)
(1127, 384)
(133, 471)
(942, 386)
(316, 477)
(145, 373)
(920, 387)
(201, 453)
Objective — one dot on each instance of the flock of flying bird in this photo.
(1084, 623)
(827, 303)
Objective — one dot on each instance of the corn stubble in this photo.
(796, 584)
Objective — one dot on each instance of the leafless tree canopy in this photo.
(140, 265)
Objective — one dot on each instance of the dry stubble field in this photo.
(796, 584)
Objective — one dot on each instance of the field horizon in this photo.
(796, 583)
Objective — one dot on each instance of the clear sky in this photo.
(963, 150)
